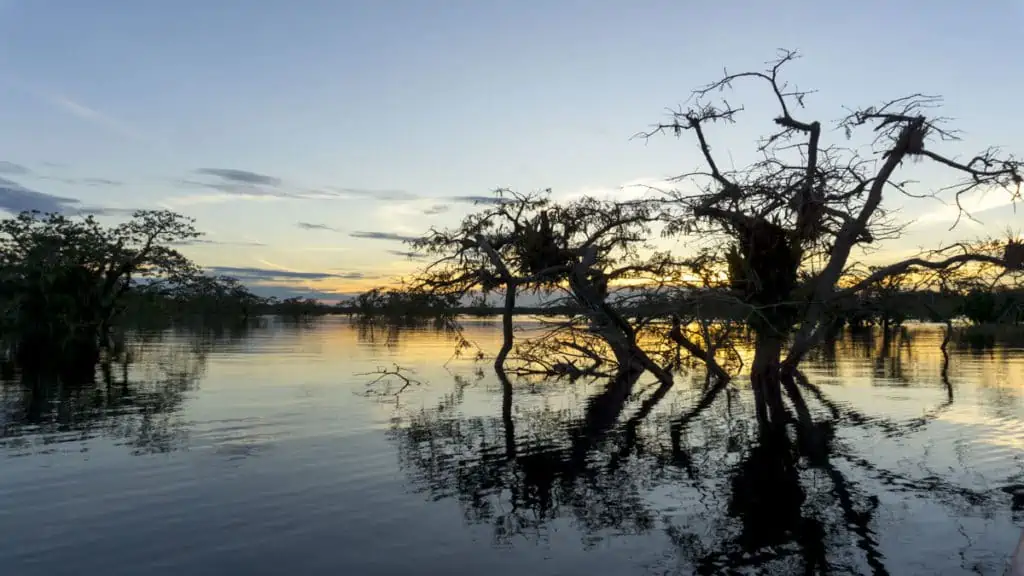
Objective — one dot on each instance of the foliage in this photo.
(575, 250)
(401, 305)
(63, 279)
(775, 242)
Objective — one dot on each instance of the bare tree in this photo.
(528, 243)
(790, 222)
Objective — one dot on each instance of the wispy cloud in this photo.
(82, 111)
(477, 199)
(382, 236)
(91, 182)
(437, 209)
(106, 211)
(282, 292)
(975, 204)
(93, 116)
(409, 255)
(237, 184)
(234, 184)
(269, 274)
(209, 242)
(12, 168)
(313, 226)
(240, 176)
(632, 190)
(16, 198)
(375, 193)
(98, 182)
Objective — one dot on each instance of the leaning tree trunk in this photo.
(614, 329)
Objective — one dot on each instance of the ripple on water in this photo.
(260, 456)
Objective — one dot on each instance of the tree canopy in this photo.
(64, 280)
(778, 240)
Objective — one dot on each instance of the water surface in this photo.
(262, 451)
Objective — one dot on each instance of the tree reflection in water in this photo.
(134, 395)
(799, 500)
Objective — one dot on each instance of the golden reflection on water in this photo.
(284, 402)
(897, 377)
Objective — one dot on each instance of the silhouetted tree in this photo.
(63, 279)
(528, 243)
(777, 241)
(790, 223)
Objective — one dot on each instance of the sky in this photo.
(308, 138)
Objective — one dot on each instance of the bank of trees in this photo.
(777, 242)
(65, 282)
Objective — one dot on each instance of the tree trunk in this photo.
(615, 329)
(506, 327)
(766, 381)
(506, 416)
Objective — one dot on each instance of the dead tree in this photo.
(528, 243)
(790, 221)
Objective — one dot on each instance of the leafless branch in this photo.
(385, 377)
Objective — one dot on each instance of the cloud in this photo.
(239, 183)
(636, 189)
(376, 194)
(233, 184)
(283, 292)
(382, 236)
(208, 242)
(97, 182)
(87, 113)
(15, 198)
(106, 211)
(478, 199)
(93, 182)
(978, 203)
(240, 176)
(409, 255)
(236, 184)
(12, 168)
(312, 226)
(437, 209)
(394, 195)
(267, 274)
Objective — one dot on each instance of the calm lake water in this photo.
(259, 451)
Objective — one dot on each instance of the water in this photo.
(264, 452)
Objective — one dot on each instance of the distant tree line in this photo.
(891, 308)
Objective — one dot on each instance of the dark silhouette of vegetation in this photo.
(774, 242)
(66, 282)
(527, 243)
(64, 279)
(758, 502)
(135, 398)
(400, 306)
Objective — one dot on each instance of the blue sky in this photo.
(298, 133)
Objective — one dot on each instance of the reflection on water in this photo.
(256, 451)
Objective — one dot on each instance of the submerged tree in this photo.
(791, 223)
(64, 279)
(778, 241)
(528, 243)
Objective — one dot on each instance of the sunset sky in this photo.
(306, 137)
